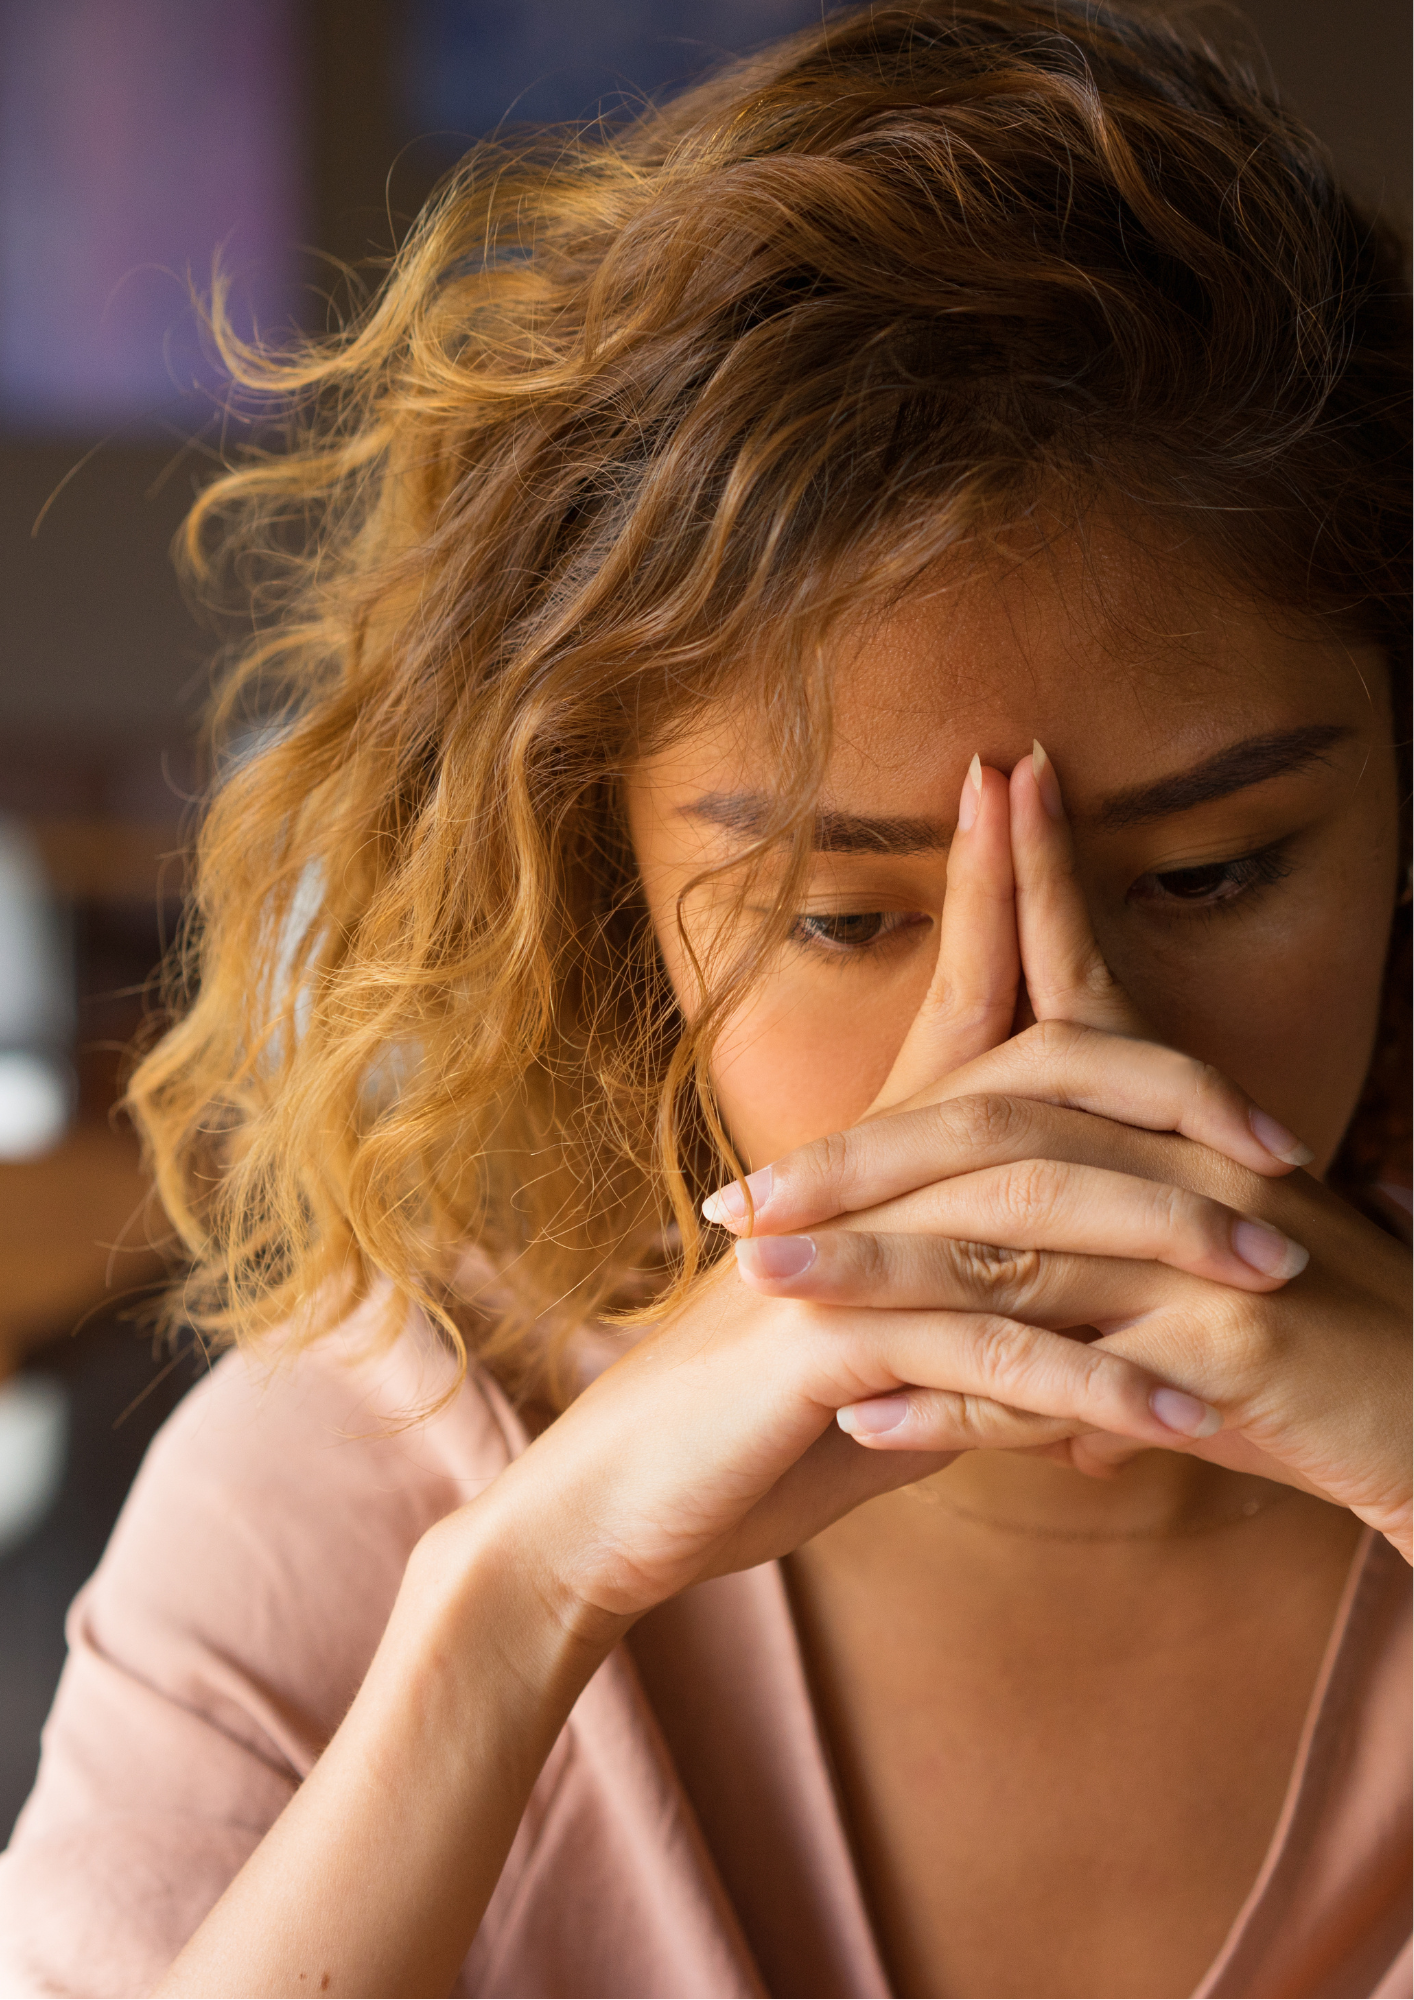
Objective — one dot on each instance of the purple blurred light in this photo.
(137, 137)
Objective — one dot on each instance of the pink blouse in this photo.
(685, 1836)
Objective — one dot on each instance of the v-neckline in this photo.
(737, 1638)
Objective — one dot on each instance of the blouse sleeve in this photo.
(214, 1651)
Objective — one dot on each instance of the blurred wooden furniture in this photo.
(74, 1236)
(99, 859)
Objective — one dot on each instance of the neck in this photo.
(1019, 1531)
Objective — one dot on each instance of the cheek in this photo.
(808, 1058)
(1287, 1009)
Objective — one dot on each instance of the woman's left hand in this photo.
(1312, 1380)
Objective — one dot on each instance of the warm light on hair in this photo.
(632, 414)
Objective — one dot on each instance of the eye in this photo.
(846, 931)
(1213, 883)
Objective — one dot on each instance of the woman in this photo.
(841, 665)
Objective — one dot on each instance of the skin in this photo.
(1129, 1627)
(1050, 1645)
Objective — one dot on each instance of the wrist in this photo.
(481, 1594)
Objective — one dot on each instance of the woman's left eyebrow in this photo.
(1249, 762)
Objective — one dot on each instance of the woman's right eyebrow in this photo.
(748, 814)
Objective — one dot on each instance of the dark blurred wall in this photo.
(1346, 67)
(94, 635)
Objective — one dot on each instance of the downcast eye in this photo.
(852, 927)
(1213, 882)
(1194, 884)
(845, 931)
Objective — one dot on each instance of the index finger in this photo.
(971, 999)
(1067, 978)
(1098, 1099)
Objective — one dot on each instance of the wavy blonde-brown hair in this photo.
(637, 413)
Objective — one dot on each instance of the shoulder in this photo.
(380, 1424)
(224, 1633)
(276, 1509)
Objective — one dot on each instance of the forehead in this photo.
(1111, 639)
(1127, 654)
(1124, 648)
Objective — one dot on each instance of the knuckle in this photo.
(949, 1413)
(1180, 1217)
(1026, 1192)
(1002, 1351)
(872, 1266)
(985, 1123)
(972, 1419)
(838, 1165)
(1007, 1277)
(1095, 976)
(1249, 1335)
(1174, 1208)
(1052, 1039)
(1207, 1088)
(961, 1006)
(983, 1425)
(1206, 1080)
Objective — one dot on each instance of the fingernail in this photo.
(728, 1204)
(871, 1419)
(970, 802)
(775, 1256)
(1267, 1250)
(1185, 1414)
(1047, 783)
(1277, 1140)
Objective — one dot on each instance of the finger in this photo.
(1046, 1204)
(1101, 1455)
(845, 1267)
(1067, 978)
(971, 1001)
(961, 1380)
(1136, 1083)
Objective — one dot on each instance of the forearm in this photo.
(375, 1877)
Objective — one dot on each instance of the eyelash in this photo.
(1236, 882)
(1245, 876)
(890, 924)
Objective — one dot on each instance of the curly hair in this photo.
(637, 412)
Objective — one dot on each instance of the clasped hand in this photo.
(1079, 1175)
(1070, 1239)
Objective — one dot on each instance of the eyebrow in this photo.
(749, 814)
(1250, 762)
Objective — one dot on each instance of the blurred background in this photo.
(137, 136)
